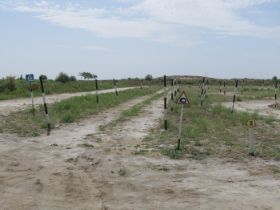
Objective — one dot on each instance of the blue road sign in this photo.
(29, 77)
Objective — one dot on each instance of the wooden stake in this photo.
(45, 106)
(96, 93)
(172, 94)
(165, 102)
(234, 96)
(115, 85)
(32, 98)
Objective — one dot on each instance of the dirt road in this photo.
(82, 167)
(8, 106)
(259, 106)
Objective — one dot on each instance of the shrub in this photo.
(149, 77)
(63, 77)
(11, 83)
(73, 78)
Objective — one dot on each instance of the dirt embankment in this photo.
(81, 167)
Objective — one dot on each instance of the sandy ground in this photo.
(8, 106)
(56, 172)
(259, 106)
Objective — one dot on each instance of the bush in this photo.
(149, 77)
(62, 77)
(73, 78)
(8, 84)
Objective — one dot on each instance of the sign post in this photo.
(96, 92)
(45, 106)
(30, 78)
(183, 100)
(275, 94)
(172, 94)
(175, 87)
(115, 86)
(202, 94)
(251, 124)
(165, 102)
(234, 96)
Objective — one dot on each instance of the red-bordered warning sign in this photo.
(183, 99)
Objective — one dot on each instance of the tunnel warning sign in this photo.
(183, 99)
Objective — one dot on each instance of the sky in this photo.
(133, 38)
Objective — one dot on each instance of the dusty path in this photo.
(57, 173)
(8, 106)
(259, 106)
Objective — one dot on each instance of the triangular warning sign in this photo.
(183, 99)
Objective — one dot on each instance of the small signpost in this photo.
(251, 124)
(183, 100)
(30, 78)
(45, 106)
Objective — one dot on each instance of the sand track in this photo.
(57, 173)
(259, 106)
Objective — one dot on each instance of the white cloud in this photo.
(217, 15)
(153, 18)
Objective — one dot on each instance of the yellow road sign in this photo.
(251, 123)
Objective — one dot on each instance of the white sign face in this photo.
(29, 77)
(183, 99)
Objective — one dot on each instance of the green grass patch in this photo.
(54, 87)
(213, 131)
(67, 111)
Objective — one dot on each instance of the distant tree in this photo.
(87, 75)
(21, 78)
(149, 77)
(44, 77)
(73, 78)
(62, 77)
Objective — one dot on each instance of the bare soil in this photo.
(81, 167)
(260, 106)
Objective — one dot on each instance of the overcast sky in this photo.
(132, 38)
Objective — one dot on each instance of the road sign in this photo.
(29, 77)
(251, 123)
(183, 99)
